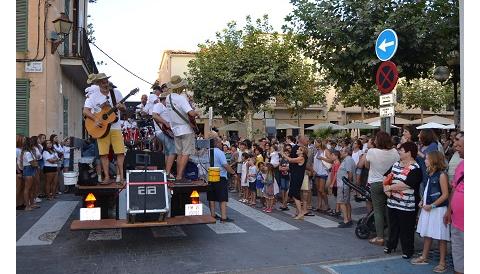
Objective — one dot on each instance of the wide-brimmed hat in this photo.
(101, 76)
(163, 95)
(92, 77)
(177, 83)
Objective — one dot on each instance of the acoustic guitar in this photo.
(107, 116)
(166, 130)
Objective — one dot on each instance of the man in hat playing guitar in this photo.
(181, 114)
(114, 137)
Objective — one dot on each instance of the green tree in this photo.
(358, 96)
(242, 69)
(425, 94)
(340, 36)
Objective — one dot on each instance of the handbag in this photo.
(34, 163)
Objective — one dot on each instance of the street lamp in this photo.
(442, 74)
(62, 28)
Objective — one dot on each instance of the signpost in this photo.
(387, 75)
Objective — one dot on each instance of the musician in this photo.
(114, 137)
(184, 134)
(161, 117)
(154, 98)
(140, 109)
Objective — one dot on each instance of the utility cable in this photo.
(120, 64)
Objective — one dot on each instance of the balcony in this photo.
(76, 58)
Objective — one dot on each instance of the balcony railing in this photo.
(80, 48)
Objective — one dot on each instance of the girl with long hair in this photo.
(20, 184)
(50, 169)
(269, 188)
(29, 164)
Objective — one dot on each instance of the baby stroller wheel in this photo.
(362, 231)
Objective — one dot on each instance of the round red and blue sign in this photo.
(387, 77)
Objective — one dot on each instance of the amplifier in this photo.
(147, 192)
(137, 158)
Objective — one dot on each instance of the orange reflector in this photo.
(194, 194)
(90, 198)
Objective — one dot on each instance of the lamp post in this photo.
(62, 26)
(442, 74)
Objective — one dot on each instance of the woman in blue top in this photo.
(427, 144)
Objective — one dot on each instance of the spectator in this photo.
(379, 161)
(269, 188)
(321, 174)
(403, 197)
(50, 169)
(20, 142)
(434, 206)
(455, 211)
(29, 165)
(356, 154)
(244, 180)
(284, 177)
(332, 184)
(297, 173)
(346, 169)
(252, 177)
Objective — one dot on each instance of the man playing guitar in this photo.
(181, 112)
(164, 133)
(114, 138)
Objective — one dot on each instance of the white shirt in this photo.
(38, 153)
(275, 159)
(58, 148)
(66, 152)
(91, 89)
(140, 107)
(27, 158)
(150, 103)
(179, 126)
(161, 110)
(318, 165)
(365, 147)
(96, 100)
(19, 151)
(356, 156)
(50, 156)
(380, 161)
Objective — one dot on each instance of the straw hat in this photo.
(101, 76)
(92, 77)
(177, 83)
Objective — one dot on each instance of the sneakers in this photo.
(284, 208)
(117, 179)
(99, 178)
(227, 220)
(38, 200)
(345, 225)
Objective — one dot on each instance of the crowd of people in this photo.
(39, 164)
(415, 181)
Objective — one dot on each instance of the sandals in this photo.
(377, 241)
(419, 261)
(440, 268)
(105, 181)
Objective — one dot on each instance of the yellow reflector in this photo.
(194, 194)
(90, 198)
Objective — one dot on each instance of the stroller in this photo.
(365, 225)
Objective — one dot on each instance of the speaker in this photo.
(137, 158)
(147, 192)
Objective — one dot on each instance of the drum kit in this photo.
(139, 133)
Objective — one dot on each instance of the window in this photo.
(22, 25)
(65, 116)
(22, 106)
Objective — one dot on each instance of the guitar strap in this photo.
(114, 102)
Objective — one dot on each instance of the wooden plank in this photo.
(112, 223)
(95, 187)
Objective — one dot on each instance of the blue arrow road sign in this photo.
(386, 45)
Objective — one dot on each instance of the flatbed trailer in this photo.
(108, 200)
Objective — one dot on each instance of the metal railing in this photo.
(80, 48)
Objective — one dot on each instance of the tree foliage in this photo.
(425, 94)
(238, 72)
(341, 35)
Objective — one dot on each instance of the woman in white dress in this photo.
(434, 205)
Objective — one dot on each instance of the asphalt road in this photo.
(255, 242)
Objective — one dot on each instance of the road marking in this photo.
(262, 218)
(46, 229)
(105, 234)
(222, 228)
(168, 231)
(316, 220)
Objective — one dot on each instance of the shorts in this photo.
(49, 169)
(343, 194)
(218, 191)
(457, 241)
(252, 186)
(41, 163)
(185, 144)
(29, 171)
(324, 177)
(168, 144)
(284, 183)
(114, 138)
(66, 163)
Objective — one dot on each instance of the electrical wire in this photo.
(120, 64)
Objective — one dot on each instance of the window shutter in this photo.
(22, 25)
(22, 106)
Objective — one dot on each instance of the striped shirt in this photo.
(406, 199)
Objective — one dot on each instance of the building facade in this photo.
(50, 81)
(175, 63)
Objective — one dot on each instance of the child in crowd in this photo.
(284, 180)
(244, 178)
(260, 182)
(269, 188)
(335, 156)
(251, 178)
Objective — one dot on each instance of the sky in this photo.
(135, 33)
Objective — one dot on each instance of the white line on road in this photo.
(222, 228)
(105, 234)
(262, 218)
(46, 229)
(316, 220)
